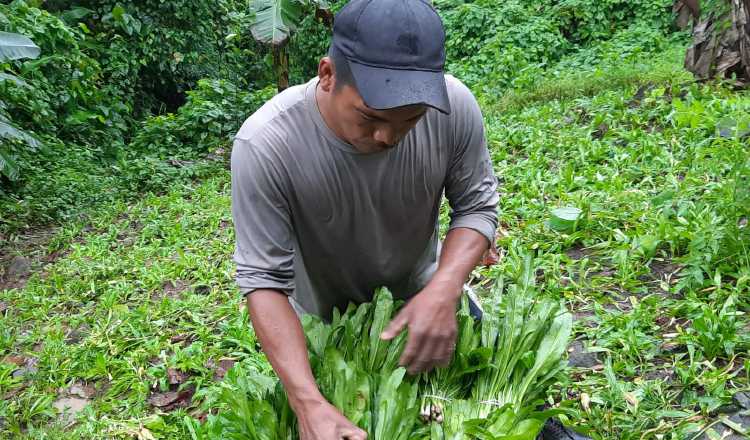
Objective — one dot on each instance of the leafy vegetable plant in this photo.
(501, 370)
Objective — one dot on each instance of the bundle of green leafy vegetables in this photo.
(492, 390)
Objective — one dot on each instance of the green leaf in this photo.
(381, 317)
(565, 219)
(275, 20)
(16, 46)
(12, 78)
(8, 131)
(118, 12)
(8, 166)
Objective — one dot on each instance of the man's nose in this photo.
(386, 135)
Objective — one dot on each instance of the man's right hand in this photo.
(319, 420)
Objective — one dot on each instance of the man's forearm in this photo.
(462, 249)
(283, 341)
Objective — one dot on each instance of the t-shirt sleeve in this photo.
(264, 249)
(471, 186)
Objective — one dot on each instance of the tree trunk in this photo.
(721, 44)
(685, 10)
(281, 63)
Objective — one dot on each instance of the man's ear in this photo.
(326, 74)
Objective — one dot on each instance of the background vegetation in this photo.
(128, 309)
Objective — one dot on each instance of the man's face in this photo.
(368, 130)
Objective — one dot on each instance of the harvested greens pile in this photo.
(501, 370)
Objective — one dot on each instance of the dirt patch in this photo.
(640, 94)
(585, 318)
(171, 289)
(22, 255)
(664, 375)
(664, 270)
(220, 369)
(579, 252)
(76, 335)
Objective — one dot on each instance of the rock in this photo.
(82, 391)
(742, 399)
(19, 267)
(27, 365)
(68, 407)
(579, 357)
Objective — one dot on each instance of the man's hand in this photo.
(319, 420)
(430, 317)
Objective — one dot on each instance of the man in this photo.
(336, 190)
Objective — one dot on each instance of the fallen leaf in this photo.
(163, 399)
(145, 434)
(176, 377)
(181, 338)
(172, 399)
(631, 399)
(15, 360)
(586, 402)
(224, 366)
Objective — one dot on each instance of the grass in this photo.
(140, 301)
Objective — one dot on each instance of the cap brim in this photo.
(384, 89)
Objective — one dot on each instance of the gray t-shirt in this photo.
(326, 224)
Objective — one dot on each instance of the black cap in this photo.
(395, 50)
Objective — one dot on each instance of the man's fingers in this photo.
(424, 359)
(446, 354)
(353, 434)
(396, 326)
(435, 351)
(411, 349)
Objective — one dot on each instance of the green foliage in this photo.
(61, 97)
(213, 112)
(590, 20)
(358, 373)
(13, 47)
(158, 50)
(494, 45)
(167, 148)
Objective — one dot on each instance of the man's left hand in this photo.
(430, 317)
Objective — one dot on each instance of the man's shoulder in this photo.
(271, 118)
(458, 93)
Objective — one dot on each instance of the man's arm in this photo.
(280, 334)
